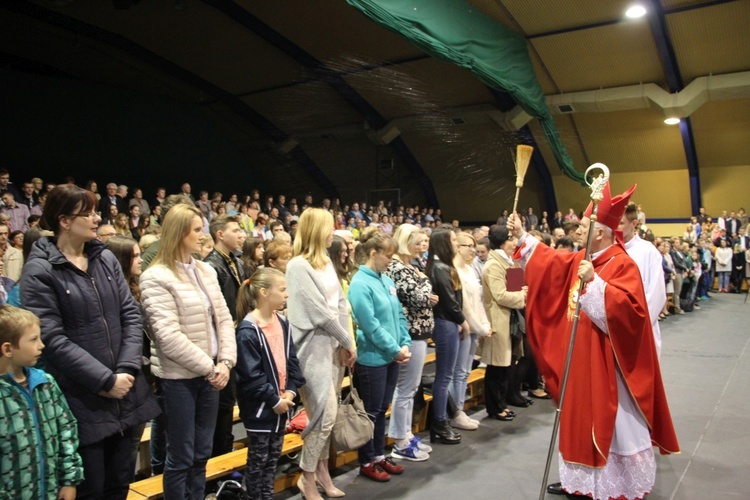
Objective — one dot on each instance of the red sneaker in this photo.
(375, 472)
(391, 467)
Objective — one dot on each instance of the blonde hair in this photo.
(406, 235)
(14, 322)
(247, 296)
(311, 240)
(458, 260)
(175, 227)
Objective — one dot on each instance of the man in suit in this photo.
(111, 198)
(557, 221)
(732, 225)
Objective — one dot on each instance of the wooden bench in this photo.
(236, 460)
(216, 468)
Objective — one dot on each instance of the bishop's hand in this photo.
(586, 271)
(514, 226)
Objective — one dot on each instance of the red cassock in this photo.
(587, 421)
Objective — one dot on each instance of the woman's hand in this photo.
(463, 330)
(403, 355)
(433, 300)
(221, 378)
(347, 357)
(123, 384)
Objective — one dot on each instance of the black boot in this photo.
(452, 408)
(442, 430)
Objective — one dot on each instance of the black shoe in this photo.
(443, 432)
(521, 403)
(556, 489)
(505, 416)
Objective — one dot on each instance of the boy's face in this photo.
(29, 347)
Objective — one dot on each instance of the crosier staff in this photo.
(597, 187)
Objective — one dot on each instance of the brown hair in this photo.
(442, 249)
(122, 248)
(219, 223)
(373, 238)
(65, 200)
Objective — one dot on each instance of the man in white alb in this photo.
(648, 259)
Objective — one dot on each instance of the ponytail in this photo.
(247, 296)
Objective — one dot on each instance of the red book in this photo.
(514, 279)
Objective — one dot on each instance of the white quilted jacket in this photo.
(176, 311)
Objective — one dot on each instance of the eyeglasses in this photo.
(87, 215)
(467, 245)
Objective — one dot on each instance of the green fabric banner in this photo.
(454, 31)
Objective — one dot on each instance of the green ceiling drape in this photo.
(454, 31)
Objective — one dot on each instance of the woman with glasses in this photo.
(479, 326)
(91, 326)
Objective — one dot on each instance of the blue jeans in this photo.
(191, 406)
(375, 385)
(461, 371)
(723, 280)
(446, 340)
(158, 443)
(409, 378)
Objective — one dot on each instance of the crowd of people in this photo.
(173, 310)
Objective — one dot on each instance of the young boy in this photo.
(38, 432)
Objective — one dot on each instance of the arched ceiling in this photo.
(313, 86)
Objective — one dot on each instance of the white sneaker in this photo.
(463, 422)
(409, 452)
(416, 442)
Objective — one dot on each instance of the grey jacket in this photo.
(317, 334)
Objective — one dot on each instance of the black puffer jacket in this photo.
(92, 329)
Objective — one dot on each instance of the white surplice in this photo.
(648, 259)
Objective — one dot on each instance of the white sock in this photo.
(401, 443)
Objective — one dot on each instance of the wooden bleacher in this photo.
(236, 460)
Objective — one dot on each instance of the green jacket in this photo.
(38, 439)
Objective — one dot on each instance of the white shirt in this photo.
(649, 260)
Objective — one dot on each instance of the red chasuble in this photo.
(587, 421)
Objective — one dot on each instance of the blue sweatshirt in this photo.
(381, 325)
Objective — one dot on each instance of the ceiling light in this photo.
(672, 121)
(635, 11)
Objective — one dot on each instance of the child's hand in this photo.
(67, 493)
(283, 406)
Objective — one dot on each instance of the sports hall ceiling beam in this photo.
(657, 19)
(332, 78)
(133, 49)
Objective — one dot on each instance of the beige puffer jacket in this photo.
(176, 311)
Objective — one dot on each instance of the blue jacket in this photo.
(257, 377)
(381, 325)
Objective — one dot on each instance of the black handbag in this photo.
(517, 325)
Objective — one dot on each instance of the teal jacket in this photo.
(381, 325)
(38, 439)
